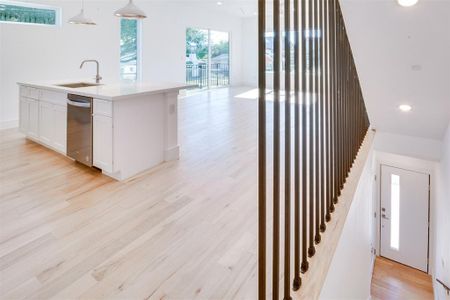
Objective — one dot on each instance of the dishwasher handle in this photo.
(79, 101)
(79, 104)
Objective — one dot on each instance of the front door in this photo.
(405, 216)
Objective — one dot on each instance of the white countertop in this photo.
(109, 91)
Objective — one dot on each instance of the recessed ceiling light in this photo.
(407, 3)
(219, 3)
(405, 107)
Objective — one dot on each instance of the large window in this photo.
(28, 13)
(207, 58)
(129, 49)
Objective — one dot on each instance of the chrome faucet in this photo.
(97, 77)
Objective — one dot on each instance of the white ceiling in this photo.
(403, 56)
(239, 8)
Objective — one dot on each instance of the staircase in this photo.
(318, 145)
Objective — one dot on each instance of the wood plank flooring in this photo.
(185, 230)
(394, 281)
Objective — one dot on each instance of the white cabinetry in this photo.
(60, 133)
(29, 117)
(24, 111)
(43, 117)
(52, 125)
(33, 120)
(103, 135)
(46, 122)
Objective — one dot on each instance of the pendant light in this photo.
(81, 18)
(130, 11)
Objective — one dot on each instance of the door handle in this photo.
(79, 104)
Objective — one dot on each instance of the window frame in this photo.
(56, 9)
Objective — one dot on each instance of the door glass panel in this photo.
(197, 57)
(220, 58)
(395, 212)
(207, 58)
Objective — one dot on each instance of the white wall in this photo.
(442, 221)
(408, 145)
(1, 71)
(350, 273)
(33, 53)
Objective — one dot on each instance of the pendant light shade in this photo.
(130, 11)
(81, 18)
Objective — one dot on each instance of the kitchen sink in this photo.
(78, 85)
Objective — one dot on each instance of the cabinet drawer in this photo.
(102, 107)
(29, 92)
(59, 98)
(33, 93)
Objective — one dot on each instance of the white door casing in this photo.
(404, 216)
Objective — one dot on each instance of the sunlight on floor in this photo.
(253, 95)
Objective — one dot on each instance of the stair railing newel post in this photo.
(261, 151)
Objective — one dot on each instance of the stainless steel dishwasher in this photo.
(79, 128)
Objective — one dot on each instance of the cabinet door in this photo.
(33, 118)
(23, 115)
(60, 125)
(102, 142)
(46, 122)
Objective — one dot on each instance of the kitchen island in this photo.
(134, 125)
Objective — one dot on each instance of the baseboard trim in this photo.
(9, 124)
(172, 153)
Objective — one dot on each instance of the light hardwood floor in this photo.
(394, 281)
(185, 230)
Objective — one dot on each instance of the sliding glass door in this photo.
(207, 58)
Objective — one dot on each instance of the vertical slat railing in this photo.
(276, 151)
(316, 78)
(310, 93)
(287, 150)
(322, 93)
(305, 103)
(298, 163)
(262, 150)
